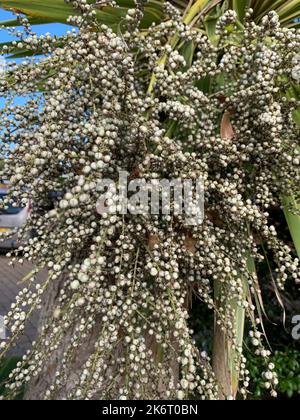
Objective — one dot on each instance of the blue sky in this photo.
(53, 28)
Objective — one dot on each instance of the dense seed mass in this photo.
(91, 114)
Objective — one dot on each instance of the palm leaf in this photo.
(287, 10)
(288, 7)
(59, 11)
(263, 7)
(41, 11)
(55, 11)
(226, 359)
(294, 25)
(290, 19)
(291, 208)
(240, 6)
(32, 21)
(290, 205)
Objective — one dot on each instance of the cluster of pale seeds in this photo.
(124, 282)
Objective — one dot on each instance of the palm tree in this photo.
(59, 11)
(204, 15)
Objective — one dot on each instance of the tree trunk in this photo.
(221, 355)
(37, 388)
(226, 359)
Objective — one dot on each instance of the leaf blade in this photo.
(293, 220)
(240, 6)
(59, 11)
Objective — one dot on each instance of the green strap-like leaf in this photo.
(264, 6)
(54, 10)
(187, 51)
(240, 6)
(287, 10)
(288, 7)
(59, 11)
(32, 21)
(291, 208)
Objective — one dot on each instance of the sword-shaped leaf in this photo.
(291, 207)
(42, 11)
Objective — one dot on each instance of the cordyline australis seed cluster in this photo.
(125, 282)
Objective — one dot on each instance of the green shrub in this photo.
(6, 367)
(287, 364)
